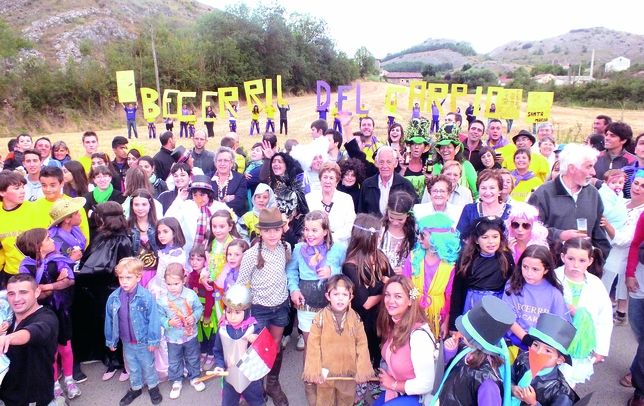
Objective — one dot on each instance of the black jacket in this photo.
(370, 193)
(236, 186)
(162, 163)
(551, 389)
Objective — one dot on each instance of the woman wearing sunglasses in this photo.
(523, 229)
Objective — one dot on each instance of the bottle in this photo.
(406, 155)
(429, 166)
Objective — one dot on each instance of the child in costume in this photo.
(234, 254)
(430, 266)
(170, 240)
(480, 373)
(237, 330)
(221, 233)
(483, 268)
(65, 227)
(54, 275)
(247, 224)
(523, 228)
(533, 289)
(199, 262)
(535, 373)
(337, 347)
(590, 307)
(180, 309)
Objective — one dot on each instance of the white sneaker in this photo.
(285, 341)
(176, 389)
(72, 389)
(300, 343)
(199, 386)
(58, 391)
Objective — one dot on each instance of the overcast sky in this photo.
(391, 26)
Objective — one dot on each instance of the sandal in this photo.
(627, 381)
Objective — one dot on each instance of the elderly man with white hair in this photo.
(570, 196)
(375, 190)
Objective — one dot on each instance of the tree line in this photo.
(220, 49)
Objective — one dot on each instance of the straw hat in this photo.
(65, 207)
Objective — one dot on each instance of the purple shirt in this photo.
(534, 300)
(126, 332)
(130, 113)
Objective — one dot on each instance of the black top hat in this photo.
(485, 324)
(526, 134)
(553, 331)
(201, 182)
(180, 154)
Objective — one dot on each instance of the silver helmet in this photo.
(238, 297)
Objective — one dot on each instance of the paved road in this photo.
(604, 383)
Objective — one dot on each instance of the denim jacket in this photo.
(136, 238)
(144, 314)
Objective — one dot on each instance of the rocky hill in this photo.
(571, 48)
(574, 47)
(61, 29)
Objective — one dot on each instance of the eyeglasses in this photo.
(438, 192)
(223, 161)
(516, 225)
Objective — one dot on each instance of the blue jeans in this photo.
(252, 394)
(140, 361)
(636, 320)
(183, 354)
(131, 124)
(270, 316)
(410, 400)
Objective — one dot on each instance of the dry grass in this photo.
(571, 123)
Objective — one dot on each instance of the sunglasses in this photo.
(516, 225)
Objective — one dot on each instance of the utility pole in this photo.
(156, 66)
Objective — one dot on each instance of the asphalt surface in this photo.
(604, 383)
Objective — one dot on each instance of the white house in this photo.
(618, 64)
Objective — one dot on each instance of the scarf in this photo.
(314, 256)
(202, 224)
(525, 381)
(433, 291)
(252, 165)
(60, 298)
(153, 179)
(244, 324)
(518, 178)
(72, 239)
(502, 143)
(101, 197)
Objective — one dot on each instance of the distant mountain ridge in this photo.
(570, 48)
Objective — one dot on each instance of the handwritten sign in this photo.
(509, 104)
(539, 106)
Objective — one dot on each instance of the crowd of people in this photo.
(413, 267)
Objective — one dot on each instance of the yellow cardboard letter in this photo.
(391, 100)
(228, 95)
(148, 99)
(436, 92)
(457, 90)
(252, 89)
(493, 93)
(125, 86)
(180, 97)
(167, 101)
(417, 94)
(205, 102)
(509, 104)
(278, 84)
